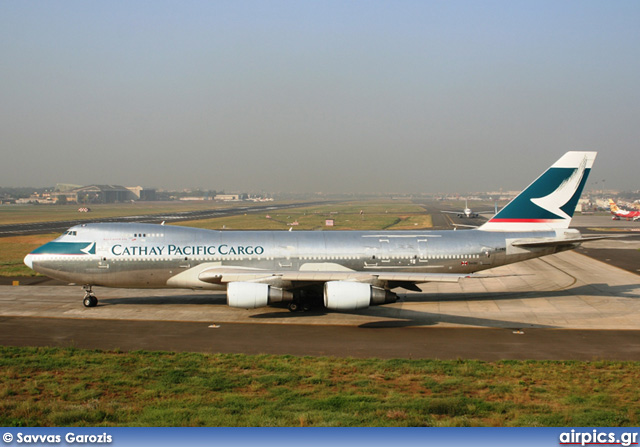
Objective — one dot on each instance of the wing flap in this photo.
(419, 278)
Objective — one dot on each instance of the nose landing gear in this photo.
(89, 299)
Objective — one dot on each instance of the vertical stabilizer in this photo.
(550, 201)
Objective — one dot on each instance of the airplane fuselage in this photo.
(624, 214)
(158, 256)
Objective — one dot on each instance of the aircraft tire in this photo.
(294, 307)
(90, 301)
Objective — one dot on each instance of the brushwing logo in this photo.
(563, 193)
(90, 249)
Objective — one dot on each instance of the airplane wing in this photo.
(553, 242)
(223, 275)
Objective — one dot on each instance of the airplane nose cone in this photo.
(28, 260)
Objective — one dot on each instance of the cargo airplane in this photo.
(343, 270)
(622, 214)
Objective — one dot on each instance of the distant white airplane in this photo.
(342, 270)
(466, 212)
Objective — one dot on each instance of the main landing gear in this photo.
(303, 301)
(89, 299)
(295, 306)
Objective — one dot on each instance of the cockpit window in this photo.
(71, 233)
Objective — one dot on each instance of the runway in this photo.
(565, 306)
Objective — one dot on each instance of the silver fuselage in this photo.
(155, 256)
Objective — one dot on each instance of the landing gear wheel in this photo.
(294, 306)
(89, 299)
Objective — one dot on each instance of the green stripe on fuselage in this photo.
(66, 248)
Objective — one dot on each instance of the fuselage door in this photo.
(486, 256)
(103, 263)
(422, 250)
(384, 255)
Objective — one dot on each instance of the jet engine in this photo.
(344, 295)
(250, 295)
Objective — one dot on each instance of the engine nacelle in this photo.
(250, 295)
(345, 295)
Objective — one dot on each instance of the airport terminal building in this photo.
(102, 194)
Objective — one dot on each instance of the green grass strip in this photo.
(73, 387)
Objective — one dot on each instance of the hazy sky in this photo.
(348, 96)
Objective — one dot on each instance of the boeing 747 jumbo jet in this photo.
(345, 270)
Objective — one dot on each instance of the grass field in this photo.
(71, 387)
(390, 215)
